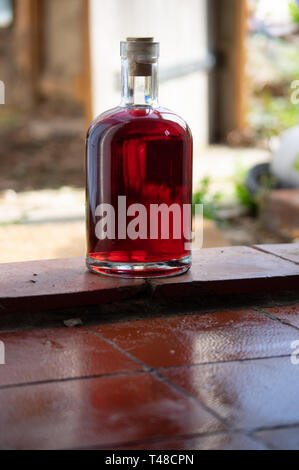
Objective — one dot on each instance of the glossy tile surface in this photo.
(288, 314)
(221, 441)
(58, 353)
(248, 394)
(281, 439)
(91, 412)
(176, 380)
(195, 339)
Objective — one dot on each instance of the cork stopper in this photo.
(141, 53)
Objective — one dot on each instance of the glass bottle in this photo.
(139, 178)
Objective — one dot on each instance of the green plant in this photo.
(241, 192)
(272, 115)
(296, 163)
(209, 201)
(294, 12)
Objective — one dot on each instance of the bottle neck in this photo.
(138, 90)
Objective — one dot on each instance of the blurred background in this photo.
(229, 67)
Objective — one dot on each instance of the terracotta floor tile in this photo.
(230, 270)
(281, 439)
(289, 314)
(97, 412)
(289, 251)
(58, 353)
(232, 441)
(194, 339)
(40, 285)
(248, 395)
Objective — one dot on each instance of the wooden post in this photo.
(28, 46)
(240, 63)
(228, 27)
(87, 64)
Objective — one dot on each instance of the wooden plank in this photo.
(242, 13)
(55, 284)
(43, 285)
(288, 251)
(87, 64)
(28, 45)
(230, 270)
(227, 82)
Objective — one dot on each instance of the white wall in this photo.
(181, 28)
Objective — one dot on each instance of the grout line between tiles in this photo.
(253, 433)
(162, 379)
(274, 318)
(258, 440)
(70, 379)
(212, 363)
(257, 248)
(154, 372)
(190, 397)
(278, 427)
(133, 372)
(119, 349)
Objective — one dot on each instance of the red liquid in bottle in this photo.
(139, 159)
(144, 154)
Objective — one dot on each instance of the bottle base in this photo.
(140, 270)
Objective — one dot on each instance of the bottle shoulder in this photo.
(101, 118)
(146, 119)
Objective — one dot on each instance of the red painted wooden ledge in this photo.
(43, 285)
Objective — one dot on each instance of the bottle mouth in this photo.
(141, 53)
(139, 39)
(141, 49)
